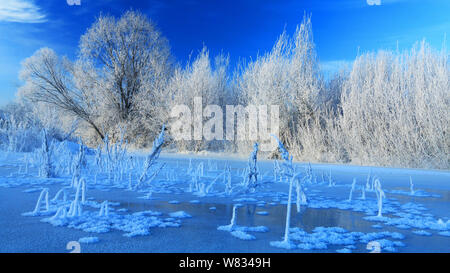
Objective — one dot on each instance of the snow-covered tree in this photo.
(287, 76)
(199, 79)
(396, 108)
(122, 64)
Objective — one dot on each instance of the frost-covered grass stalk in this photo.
(130, 182)
(233, 218)
(287, 171)
(210, 186)
(42, 196)
(201, 189)
(368, 181)
(77, 165)
(82, 182)
(60, 213)
(63, 192)
(227, 180)
(276, 171)
(104, 209)
(200, 169)
(286, 243)
(288, 214)
(287, 168)
(75, 207)
(153, 156)
(301, 197)
(45, 169)
(363, 192)
(330, 180)
(231, 227)
(309, 172)
(380, 196)
(251, 180)
(190, 168)
(411, 186)
(352, 189)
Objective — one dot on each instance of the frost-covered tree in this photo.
(287, 76)
(122, 65)
(49, 79)
(396, 108)
(126, 63)
(199, 79)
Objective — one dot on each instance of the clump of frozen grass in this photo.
(112, 158)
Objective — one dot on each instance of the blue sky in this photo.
(242, 28)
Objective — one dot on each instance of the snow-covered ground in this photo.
(200, 204)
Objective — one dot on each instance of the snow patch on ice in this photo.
(88, 240)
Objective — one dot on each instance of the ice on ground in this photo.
(344, 250)
(242, 235)
(422, 233)
(323, 237)
(180, 214)
(421, 212)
